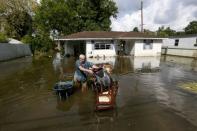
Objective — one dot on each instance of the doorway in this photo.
(79, 47)
(121, 47)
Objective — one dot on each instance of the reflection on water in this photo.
(8, 67)
(103, 60)
(145, 101)
(122, 65)
(146, 64)
(188, 63)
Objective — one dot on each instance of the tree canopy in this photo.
(17, 17)
(191, 28)
(165, 32)
(135, 29)
(71, 16)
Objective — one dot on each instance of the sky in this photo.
(175, 14)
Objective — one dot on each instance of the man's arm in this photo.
(95, 67)
(85, 70)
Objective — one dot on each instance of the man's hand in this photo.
(90, 72)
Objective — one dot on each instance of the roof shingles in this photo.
(106, 34)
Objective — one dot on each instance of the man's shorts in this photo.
(79, 78)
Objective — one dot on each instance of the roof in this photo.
(95, 35)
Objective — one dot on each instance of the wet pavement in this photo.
(149, 97)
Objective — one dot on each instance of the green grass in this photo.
(190, 86)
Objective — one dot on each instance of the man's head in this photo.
(82, 58)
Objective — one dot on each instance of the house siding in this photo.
(185, 47)
(90, 51)
(155, 51)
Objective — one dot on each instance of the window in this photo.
(176, 42)
(96, 46)
(102, 46)
(195, 43)
(108, 46)
(148, 44)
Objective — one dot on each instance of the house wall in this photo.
(140, 51)
(90, 51)
(132, 47)
(11, 51)
(185, 47)
(184, 43)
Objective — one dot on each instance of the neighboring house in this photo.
(181, 46)
(103, 43)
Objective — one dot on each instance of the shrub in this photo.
(27, 39)
(3, 38)
(41, 43)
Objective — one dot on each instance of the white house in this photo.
(181, 46)
(103, 43)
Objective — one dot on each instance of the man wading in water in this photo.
(83, 69)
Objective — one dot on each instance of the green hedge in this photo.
(3, 38)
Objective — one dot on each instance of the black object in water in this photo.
(64, 89)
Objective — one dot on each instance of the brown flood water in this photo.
(148, 99)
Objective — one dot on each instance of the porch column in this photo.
(58, 45)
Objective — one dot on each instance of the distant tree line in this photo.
(39, 23)
(191, 28)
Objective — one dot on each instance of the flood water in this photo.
(149, 97)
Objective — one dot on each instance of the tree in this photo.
(135, 29)
(94, 14)
(149, 32)
(191, 28)
(17, 15)
(53, 15)
(170, 32)
(162, 32)
(71, 16)
(19, 24)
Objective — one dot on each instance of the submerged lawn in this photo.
(190, 86)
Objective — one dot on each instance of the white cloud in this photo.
(174, 13)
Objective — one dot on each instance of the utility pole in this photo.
(142, 29)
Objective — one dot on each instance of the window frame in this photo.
(195, 45)
(102, 46)
(176, 42)
(147, 44)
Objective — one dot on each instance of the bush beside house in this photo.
(3, 38)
